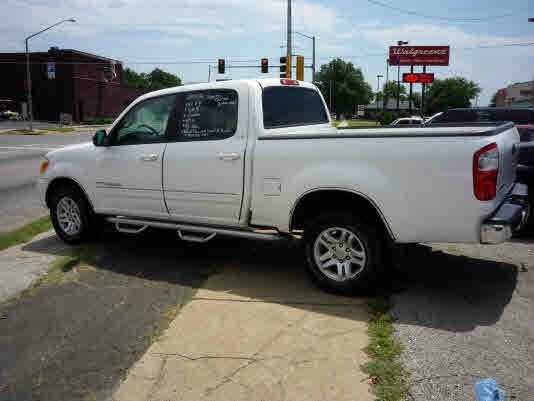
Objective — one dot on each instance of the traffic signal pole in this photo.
(423, 95)
(410, 96)
(289, 43)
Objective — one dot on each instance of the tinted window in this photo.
(403, 122)
(285, 106)
(146, 122)
(517, 116)
(206, 115)
(456, 116)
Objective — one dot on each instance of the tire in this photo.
(71, 214)
(351, 250)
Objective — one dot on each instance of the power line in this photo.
(251, 60)
(437, 17)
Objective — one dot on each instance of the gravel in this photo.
(466, 312)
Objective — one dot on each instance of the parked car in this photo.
(524, 120)
(259, 159)
(413, 120)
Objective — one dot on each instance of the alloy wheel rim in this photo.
(339, 253)
(68, 216)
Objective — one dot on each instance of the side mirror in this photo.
(100, 138)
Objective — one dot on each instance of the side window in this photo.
(403, 122)
(144, 123)
(206, 115)
(286, 106)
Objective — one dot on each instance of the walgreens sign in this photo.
(419, 55)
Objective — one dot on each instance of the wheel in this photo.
(71, 215)
(343, 253)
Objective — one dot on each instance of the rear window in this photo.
(286, 106)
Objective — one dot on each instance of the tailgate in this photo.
(508, 159)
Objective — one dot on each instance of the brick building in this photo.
(66, 83)
(520, 94)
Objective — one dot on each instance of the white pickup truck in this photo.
(260, 159)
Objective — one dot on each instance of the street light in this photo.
(28, 74)
(377, 90)
(399, 43)
(313, 52)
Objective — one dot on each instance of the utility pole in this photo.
(377, 90)
(289, 34)
(313, 58)
(28, 72)
(209, 72)
(411, 89)
(313, 52)
(399, 43)
(387, 80)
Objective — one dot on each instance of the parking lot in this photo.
(151, 318)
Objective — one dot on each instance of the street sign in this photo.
(422, 78)
(51, 70)
(419, 55)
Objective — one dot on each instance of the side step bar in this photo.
(208, 232)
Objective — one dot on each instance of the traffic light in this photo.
(300, 68)
(221, 66)
(282, 67)
(264, 65)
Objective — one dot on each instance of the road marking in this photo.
(28, 148)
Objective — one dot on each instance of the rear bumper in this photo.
(509, 217)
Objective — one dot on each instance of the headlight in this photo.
(44, 165)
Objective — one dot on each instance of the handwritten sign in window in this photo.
(207, 115)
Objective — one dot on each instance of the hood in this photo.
(68, 150)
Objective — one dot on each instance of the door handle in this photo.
(149, 158)
(228, 156)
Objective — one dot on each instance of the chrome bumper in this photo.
(509, 217)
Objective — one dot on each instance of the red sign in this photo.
(423, 78)
(419, 55)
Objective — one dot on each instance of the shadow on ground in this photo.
(452, 292)
(75, 339)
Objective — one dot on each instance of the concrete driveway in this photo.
(257, 330)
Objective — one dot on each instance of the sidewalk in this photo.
(260, 333)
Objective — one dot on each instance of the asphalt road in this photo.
(466, 312)
(20, 159)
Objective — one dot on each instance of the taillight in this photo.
(285, 81)
(485, 172)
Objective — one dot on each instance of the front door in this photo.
(204, 159)
(129, 176)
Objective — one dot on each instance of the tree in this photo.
(159, 79)
(154, 80)
(389, 91)
(132, 79)
(348, 86)
(493, 101)
(449, 93)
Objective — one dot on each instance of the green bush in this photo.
(98, 120)
(386, 118)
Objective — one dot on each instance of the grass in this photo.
(387, 374)
(40, 131)
(25, 233)
(99, 121)
(356, 123)
(59, 129)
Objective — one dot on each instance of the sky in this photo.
(186, 36)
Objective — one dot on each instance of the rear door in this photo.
(204, 160)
